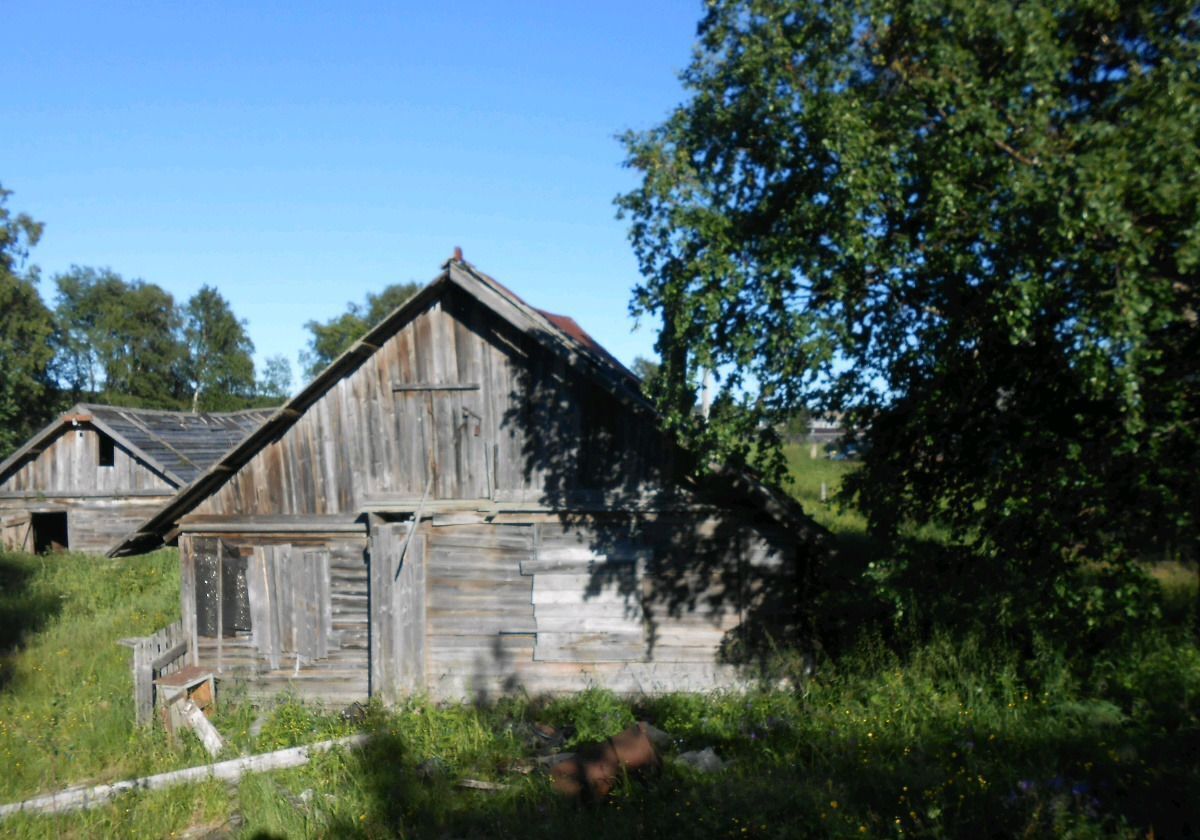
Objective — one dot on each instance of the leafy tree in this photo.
(333, 337)
(647, 371)
(219, 366)
(119, 341)
(974, 228)
(275, 384)
(26, 327)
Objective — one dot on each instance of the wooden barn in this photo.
(475, 500)
(85, 480)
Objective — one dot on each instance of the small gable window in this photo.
(107, 453)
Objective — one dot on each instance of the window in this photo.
(107, 453)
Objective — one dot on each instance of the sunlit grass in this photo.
(1180, 585)
(809, 475)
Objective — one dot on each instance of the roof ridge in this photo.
(174, 412)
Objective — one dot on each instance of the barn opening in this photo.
(107, 451)
(49, 531)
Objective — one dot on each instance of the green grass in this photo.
(808, 475)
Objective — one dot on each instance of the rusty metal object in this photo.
(592, 772)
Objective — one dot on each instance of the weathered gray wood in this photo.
(154, 655)
(75, 493)
(385, 547)
(187, 593)
(441, 520)
(531, 440)
(468, 349)
(581, 598)
(434, 386)
(590, 647)
(475, 622)
(589, 623)
(626, 678)
(143, 685)
(595, 609)
(409, 593)
(191, 716)
(618, 578)
(260, 590)
(220, 607)
(168, 656)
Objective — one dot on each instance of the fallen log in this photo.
(476, 784)
(78, 798)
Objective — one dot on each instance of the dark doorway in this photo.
(49, 532)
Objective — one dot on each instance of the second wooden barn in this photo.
(473, 500)
(96, 471)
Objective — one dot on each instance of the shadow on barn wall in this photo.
(621, 487)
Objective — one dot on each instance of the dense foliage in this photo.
(220, 367)
(26, 327)
(974, 228)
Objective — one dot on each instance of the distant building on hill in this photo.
(825, 429)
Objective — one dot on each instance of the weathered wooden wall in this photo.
(280, 611)
(16, 530)
(514, 424)
(480, 610)
(94, 524)
(557, 605)
(69, 465)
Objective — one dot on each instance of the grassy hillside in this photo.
(954, 737)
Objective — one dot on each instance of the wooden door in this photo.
(443, 442)
(397, 609)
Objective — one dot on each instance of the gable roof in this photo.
(176, 444)
(558, 334)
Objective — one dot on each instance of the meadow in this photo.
(942, 735)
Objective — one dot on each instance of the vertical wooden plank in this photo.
(263, 619)
(143, 697)
(410, 425)
(276, 558)
(382, 551)
(187, 593)
(309, 576)
(446, 407)
(387, 368)
(220, 606)
(409, 611)
(327, 641)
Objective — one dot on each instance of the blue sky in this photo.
(297, 155)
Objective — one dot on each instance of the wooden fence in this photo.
(154, 656)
